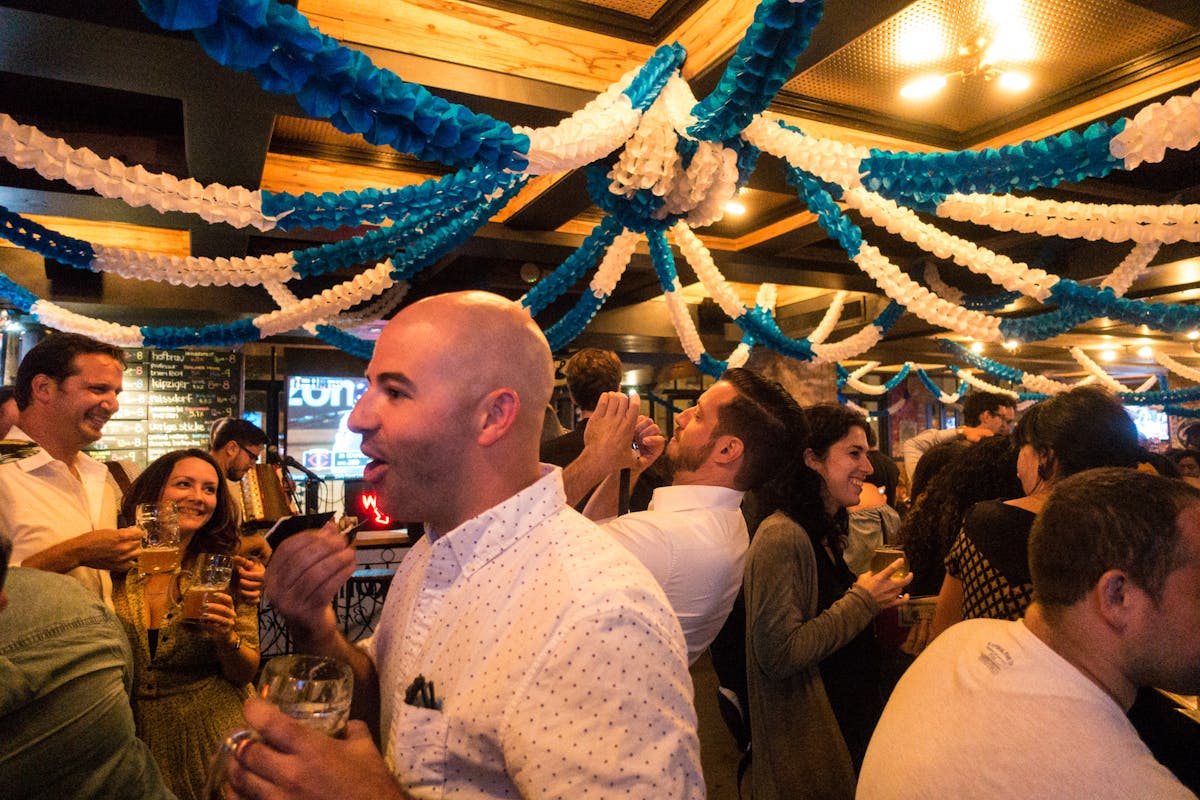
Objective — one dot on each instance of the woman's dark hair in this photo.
(931, 462)
(219, 534)
(983, 471)
(799, 491)
(1080, 429)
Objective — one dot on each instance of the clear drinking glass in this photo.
(314, 690)
(212, 573)
(160, 537)
(884, 556)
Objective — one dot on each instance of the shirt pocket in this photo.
(419, 740)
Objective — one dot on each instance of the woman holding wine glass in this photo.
(190, 676)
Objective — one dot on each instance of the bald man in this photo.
(554, 664)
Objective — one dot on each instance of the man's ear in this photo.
(1117, 598)
(40, 387)
(499, 409)
(728, 449)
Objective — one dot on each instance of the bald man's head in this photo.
(486, 342)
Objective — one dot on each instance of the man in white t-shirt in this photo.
(1036, 708)
(693, 539)
(58, 505)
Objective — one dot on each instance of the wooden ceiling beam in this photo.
(482, 37)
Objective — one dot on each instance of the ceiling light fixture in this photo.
(734, 207)
(1011, 344)
(1108, 355)
(977, 347)
(1193, 335)
(982, 58)
(1145, 351)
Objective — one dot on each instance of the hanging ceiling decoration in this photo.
(660, 163)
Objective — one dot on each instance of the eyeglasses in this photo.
(253, 455)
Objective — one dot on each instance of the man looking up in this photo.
(742, 431)
(985, 414)
(557, 667)
(1036, 708)
(58, 505)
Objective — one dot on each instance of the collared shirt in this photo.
(693, 539)
(558, 665)
(66, 728)
(42, 504)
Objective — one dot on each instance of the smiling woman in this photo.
(190, 678)
(812, 661)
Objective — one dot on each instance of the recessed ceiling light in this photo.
(1108, 355)
(1011, 344)
(1193, 335)
(1145, 351)
(976, 347)
(923, 88)
(734, 207)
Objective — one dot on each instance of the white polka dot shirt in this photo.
(559, 665)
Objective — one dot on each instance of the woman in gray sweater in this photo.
(812, 664)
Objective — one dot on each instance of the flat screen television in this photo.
(1151, 422)
(318, 436)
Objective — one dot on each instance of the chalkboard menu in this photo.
(169, 399)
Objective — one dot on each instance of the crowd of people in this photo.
(1066, 573)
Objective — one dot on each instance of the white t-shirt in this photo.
(989, 711)
(693, 539)
(43, 504)
(555, 657)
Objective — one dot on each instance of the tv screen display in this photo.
(317, 432)
(1151, 423)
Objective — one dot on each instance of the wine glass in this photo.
(314, 690)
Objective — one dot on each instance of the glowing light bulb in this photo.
(1011, 344)
(1108, 355)
(735, 208)
(1145, 351)
(1013, 81)
(977, 347)
(1193, 335)
(924, 87)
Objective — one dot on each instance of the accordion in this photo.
(263, 498)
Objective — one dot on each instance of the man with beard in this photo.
(693, 539)
(521, 653)
(58, 505)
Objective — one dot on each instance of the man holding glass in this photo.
(57, 504)
(521, 652)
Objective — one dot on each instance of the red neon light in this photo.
(369, 502)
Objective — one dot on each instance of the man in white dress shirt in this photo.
(557, 667)
(58, 505)
(742, 431)
(1036, 708)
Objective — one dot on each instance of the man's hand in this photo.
(295, 762)
(609, 436)
(108, 548)
(304, 576)
(650, 443)
(251, 577)
(974, 434)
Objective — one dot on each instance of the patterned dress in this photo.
(990, 556)
(182, 703)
